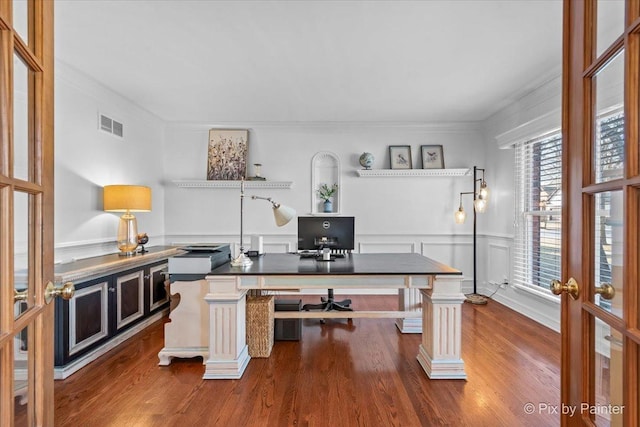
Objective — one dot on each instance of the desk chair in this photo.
(329, 303)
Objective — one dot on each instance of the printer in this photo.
(198, 261)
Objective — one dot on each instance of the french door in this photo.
(26, 212)
(601, 245)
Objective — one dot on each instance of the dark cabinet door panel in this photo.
(88, 316)
(158, 295)
(130, 298)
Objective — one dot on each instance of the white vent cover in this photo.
(109, 125)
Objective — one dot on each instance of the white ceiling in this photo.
(314, 61)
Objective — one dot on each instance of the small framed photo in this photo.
(400, 156)
(432, 157)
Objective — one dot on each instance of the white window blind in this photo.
(538, 211)
(539, 200)
(609, 147)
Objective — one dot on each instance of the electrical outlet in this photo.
(505, 282)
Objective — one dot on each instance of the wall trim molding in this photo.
(449, 127)
(495, 253)
(524, 309)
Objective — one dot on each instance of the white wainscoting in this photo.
(494, 260)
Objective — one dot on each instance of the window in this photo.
(539, 201)
(538, 211)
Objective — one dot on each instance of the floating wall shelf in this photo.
(184, 183)
(371, 173)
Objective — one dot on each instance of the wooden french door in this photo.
(26, 212)
(601, 183)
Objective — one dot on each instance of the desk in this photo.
(224, 290)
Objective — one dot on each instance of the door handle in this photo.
(20, 295)
(66, 291)
(606, 291)
(571, 287)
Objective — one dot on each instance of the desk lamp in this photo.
(480, 198)
(282, 215)
(127, 199)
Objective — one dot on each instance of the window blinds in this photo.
(538, 171)
(609, 149)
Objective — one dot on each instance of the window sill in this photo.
(542, 294)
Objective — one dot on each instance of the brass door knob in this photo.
(571, 287)
(66, 291)
(606, 291)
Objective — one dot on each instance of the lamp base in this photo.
(476, 299)
(127, 253)
(127, 234)
(241, 261)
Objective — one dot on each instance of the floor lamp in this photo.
(480, 198)
(282, 215)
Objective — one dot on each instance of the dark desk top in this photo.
(355, 264)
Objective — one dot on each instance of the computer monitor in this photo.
(319, 232)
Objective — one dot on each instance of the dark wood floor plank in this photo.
(358, 373)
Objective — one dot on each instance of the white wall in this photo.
(403, 214)
(86, 159)
(392, 214)
(535, 114)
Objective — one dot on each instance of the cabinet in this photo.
(108, 309)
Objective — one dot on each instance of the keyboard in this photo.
(306, 255)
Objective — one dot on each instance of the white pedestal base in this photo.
(228, 350)
(186, 335)
(227, 369)
(441, 369)
(440, 352)
(166, 354)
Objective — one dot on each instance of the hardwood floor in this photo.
(363, 373)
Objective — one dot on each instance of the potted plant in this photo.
(325, 192)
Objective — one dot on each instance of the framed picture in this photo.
(432, 157)
(400, 156)
(227, 155)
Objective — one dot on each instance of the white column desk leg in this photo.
(440, 352)
(409, 300)
(228, 350)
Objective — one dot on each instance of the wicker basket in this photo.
(260, 325)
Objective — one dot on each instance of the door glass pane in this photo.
(609, 121)
(21, 369)
(607, 409)
(20, 119)
(610, 23)
(20, 19)
(608, 242)
(24, 292)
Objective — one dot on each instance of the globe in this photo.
(366, 160)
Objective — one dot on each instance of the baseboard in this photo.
(527, 311)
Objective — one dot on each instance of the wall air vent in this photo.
(109, 125)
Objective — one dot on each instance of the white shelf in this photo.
(186, 183)
(374, 173)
